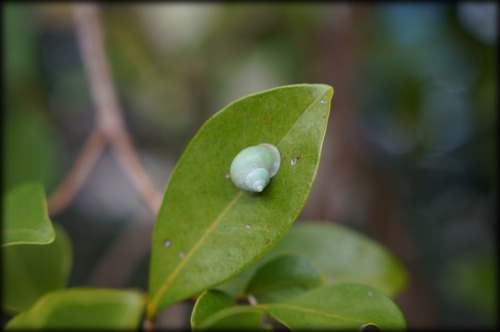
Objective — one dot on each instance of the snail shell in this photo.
(252, 168)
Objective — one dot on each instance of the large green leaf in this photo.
(217, 310)
(30, 271)
(284, 276)
(344, 255)
(83, 308)
(25, 218)
(207, 230)
(341, 306)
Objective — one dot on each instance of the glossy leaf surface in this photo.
(218, 310)
(207, 230)
(208, 304)
(30, 271)
(344, 255)
(341, 306)
(25, 218)
(283, 277)
(83, 308)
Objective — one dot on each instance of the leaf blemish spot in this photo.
(181, 255)
(293, 162)
(227, 175)
(248, 226)
(229, 255)
(370, 294)
(267, 241)
(323, 101)
(167, 243)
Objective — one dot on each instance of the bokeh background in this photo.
(410, 157)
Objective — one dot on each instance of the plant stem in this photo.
(110, 126)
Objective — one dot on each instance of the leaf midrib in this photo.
(192, 251)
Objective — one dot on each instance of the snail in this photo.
(252, 168)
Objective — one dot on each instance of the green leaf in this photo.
(209, 303)
(283, 277)
(83, 308)
(344, 255)
(207, 230)
(341, 306)
(25, 218)
(238, 317)
(30, 271)
(217, 310)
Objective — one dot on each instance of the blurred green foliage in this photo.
(31, 150)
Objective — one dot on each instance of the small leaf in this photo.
(207, 230)
(341, 306)
(209, 303)
(283, 277)
(217, 310)
(344, 255)
(236, 318)
(83, 308)
(25, 218)
(30, 271)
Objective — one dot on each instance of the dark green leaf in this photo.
(283, 277)
(344, 255)
(236, 318)
(83, 308)
(30, 271)
(208, 304)
(217, 310)
(341, 306)
(207, 230)
(25, 218)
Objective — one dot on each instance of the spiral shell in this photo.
(254, 166)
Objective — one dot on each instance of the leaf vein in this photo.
(288, 306)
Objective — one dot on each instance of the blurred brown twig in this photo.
(110, 127)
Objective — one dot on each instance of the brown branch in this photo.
(84, 163)
(110, 118)
(88, 28)
(110, 124)
(128, 159)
